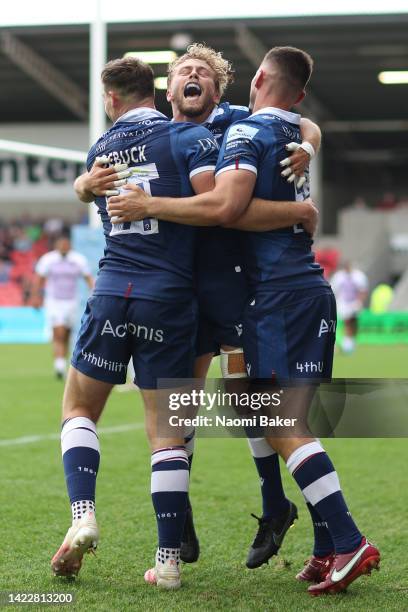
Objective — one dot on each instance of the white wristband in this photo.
(309, 148)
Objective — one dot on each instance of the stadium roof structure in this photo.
(45, 70)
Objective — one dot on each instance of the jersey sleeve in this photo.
(42, 266)
(335, 281)
(241, 148)
(91, 158)
(361, 280)
(83, 264)
(200, 150)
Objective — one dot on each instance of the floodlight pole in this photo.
(97, 60)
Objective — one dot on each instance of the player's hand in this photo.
(311, 217)
(129, 206)
(105, 181)
(296, 164)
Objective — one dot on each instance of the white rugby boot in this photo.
(81, 537)
(165, 575)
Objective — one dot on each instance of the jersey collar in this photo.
(212, 116)
(139, 114)
(279, 112)
(216, 111)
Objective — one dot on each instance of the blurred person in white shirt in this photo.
(56, 283)
(350, 287)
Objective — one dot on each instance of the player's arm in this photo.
(37, 290)
(100, 181)
(311, 133)
(85, 270)
(89, 279)
(223, 205)
(203, 182)
(217, 208)
(298, 161)
(197, 152)
(264, 215)
(362, 289)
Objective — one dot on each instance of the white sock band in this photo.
(79, 431)
(260, 448)
(303, 452)
(174, 478)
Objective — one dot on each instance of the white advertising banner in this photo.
(36, 179)
(29, 178)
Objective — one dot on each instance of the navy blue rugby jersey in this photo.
(222, 117)
(151, 258)
(218, 250)
(278, 259)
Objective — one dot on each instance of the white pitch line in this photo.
(56, 436)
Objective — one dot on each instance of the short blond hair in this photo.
(224, 73)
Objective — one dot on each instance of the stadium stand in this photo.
(22, 242)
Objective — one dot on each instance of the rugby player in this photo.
(142, 308)
(290, 298)
(196, 83)
(350, 286)
(56, 274)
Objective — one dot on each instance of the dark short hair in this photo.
(296, 65)
(129, 76)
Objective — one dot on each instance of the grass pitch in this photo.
(224, 491)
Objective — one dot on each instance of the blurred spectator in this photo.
(403, 201)
(5, 269)
(6, 242)
(54, 226)
(388, 202)
(381, 298)
(359, 203)
(22, 242)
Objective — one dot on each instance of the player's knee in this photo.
(83, 397)
(71, 411)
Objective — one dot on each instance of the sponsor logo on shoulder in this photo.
(208, 144)
(242, 132)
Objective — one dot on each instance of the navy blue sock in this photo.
(274, 501)
(323, 544)
(80, 454)
(169, 487)
(314, 473)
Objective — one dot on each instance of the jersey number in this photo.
(141, 176)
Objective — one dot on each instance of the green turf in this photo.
(35, 514)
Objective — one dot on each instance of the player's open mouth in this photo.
(192, 90)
